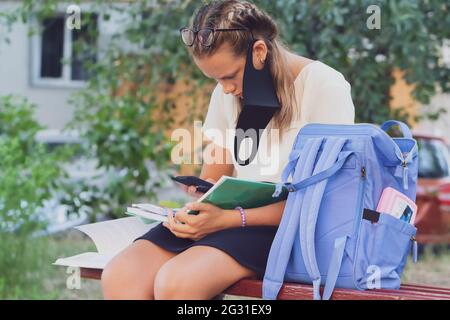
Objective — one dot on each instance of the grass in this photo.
(431, 269)
(26, 270)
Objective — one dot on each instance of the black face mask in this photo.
(260, 104)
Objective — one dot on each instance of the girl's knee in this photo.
(111, 279)
(172, 284)
(119, 283)
(165, 284)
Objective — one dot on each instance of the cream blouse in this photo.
(323, 96)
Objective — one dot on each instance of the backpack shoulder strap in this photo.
(310, 210)
(282, 244)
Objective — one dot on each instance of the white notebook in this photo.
(149, 211)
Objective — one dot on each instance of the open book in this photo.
(110, 237)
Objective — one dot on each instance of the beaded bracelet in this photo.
(244, 221)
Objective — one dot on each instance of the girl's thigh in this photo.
(131, 274)
(200, 272)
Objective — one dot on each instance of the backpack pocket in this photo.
(381, 252)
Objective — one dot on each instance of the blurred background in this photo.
(86, 115)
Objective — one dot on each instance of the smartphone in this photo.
(201, 185)
(398, 205)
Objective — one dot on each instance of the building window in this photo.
(60, 55)
(52, 48)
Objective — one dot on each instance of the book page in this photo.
(146, 215)
(93, 260)
(112, 236)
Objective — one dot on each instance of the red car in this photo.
(433, 190)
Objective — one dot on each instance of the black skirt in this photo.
(249, 246)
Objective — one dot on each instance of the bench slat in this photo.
(422, 288)
(298, 291)
(89, 273)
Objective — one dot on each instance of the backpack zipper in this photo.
(414, 249)
(358, 214)
(358, 217)
(405, 174)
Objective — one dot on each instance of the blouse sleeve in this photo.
(216, 123)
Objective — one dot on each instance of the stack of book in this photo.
(227, 193)
(148, 212)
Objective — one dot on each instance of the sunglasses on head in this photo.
(205, 36)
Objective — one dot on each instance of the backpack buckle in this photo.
(290, 187)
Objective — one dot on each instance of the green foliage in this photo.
(29, 174)
(16, 118)
(117, 114)
(120, 136)
(411, 39)
(333, 31)
(28, 171)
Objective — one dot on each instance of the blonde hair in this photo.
(243, 14)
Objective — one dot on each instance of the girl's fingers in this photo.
(178, 234)
(192, 190)
(170, 219)
(200, 206)
(184, 188)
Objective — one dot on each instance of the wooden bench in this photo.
(295, 291)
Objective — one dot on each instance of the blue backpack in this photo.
(323, 239)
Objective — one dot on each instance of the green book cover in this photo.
(230, 192)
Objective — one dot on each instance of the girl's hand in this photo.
(192, 190)
(195, 227)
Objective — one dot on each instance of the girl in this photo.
(205, 254)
